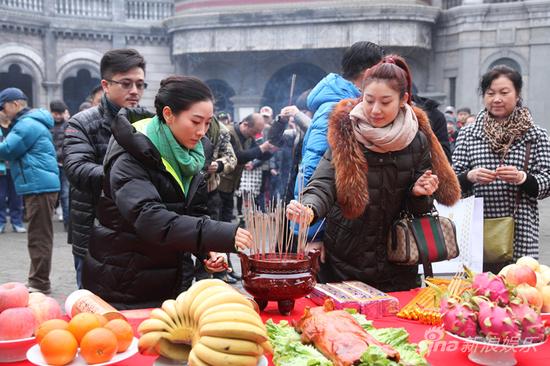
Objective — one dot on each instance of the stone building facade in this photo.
(247, 50)
(57, 44)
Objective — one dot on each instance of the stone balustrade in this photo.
(148, 10)
(84, 8)
(27, 5)
(448, 4)
(153, 9)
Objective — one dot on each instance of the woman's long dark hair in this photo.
(180, 92)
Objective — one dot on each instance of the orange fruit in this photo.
(82, 323)
(48, 326)
(102, 320)
(58, 347)
(123, 332)
(98, 345)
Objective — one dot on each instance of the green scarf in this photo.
(185, 163)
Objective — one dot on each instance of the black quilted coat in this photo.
(86, 139)
(140, 253)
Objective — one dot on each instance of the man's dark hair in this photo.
(180, 93)
(359, 57)
(58, 106)
(464, 109)
(96, 90)
(119, 61)
(84, 105)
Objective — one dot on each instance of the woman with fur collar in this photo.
(383, 157)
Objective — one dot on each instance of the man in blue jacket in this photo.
(321, 100)
(29, 149)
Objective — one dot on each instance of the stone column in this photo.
(467, 80)
(536, 80)
(50, 84)
(244, 105)
(119, 16)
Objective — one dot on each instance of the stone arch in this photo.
(78, 73)
(223, 93)
(76, 88)
(507, 62)
(69, 64)
(16, 76)
(503, 55)
(277, 89)
(29, 62)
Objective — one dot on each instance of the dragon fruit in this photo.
(531, 324)
(491, 286)
(459, 318)
(497, 322)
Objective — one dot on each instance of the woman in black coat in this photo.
(152, 213)
(383, 157)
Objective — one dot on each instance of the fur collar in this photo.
(351, 165)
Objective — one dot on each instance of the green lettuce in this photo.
(410, 354)
(288, 348)
(393, 336)
(375, 356)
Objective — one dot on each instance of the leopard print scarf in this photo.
(502, 134)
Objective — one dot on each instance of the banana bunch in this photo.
(209, 324)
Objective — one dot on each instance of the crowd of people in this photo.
(148, 197)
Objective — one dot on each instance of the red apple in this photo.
(518, 274)
(16, 323)
(13, 295)
(503, 272)
(530, 295)
(36, 297)
(46, 309)
(529, 262)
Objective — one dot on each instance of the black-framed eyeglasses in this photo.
(127, 84)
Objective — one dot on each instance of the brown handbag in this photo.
(422, 240)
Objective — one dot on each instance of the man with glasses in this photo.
(87, 137)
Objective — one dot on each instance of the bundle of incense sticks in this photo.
(272, 232)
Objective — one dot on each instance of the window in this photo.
(452, 91)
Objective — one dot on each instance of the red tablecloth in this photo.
(441, 354)
(445, 351)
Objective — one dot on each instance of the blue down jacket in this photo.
(31, 154)
(321, 101)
